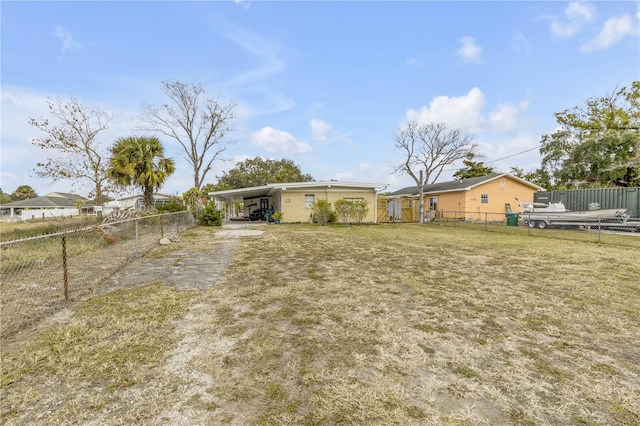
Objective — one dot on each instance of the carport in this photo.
(248, 203)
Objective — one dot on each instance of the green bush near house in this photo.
(211, 216)
(322, 212)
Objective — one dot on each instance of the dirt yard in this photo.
(375, 325)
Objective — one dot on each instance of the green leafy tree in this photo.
(200, 125)
(473, 168)
(598, 145)
(4, 197)
(207, 188)
(71, 140)
(193, 198)
(211, 215)
(258, 172)
(140, 161)
(23, 192)
(322, 211)
(427, 149)
(538, 177)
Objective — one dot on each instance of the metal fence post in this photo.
(599, 228)
(136, 222)
(64, 267)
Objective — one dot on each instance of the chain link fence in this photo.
(39, 274)
(592, 229)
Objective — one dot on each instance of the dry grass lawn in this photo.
(371, 325)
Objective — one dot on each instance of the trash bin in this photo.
(512, 218)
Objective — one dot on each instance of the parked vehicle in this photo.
(540, 215)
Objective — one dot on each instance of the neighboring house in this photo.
(295, 200)
(53, 205)
(136, 203)
(486, 197)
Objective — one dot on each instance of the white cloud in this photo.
(267, 53)
(614, 30)
(413, 62)
(245, 5)
(577, 14)
(320, 129)
(580, 11)
(273, 140)
(68, 42)
(469, 50)
(504, 117)
(520, 43)
(462, 112)
(465, 113)
(514, 151)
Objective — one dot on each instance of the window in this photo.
(309, 199)
(433, 203)
(484, 199)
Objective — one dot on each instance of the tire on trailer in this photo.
(542, 224)
(531, 223)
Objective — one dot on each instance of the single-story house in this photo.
(52, 205)
(136, 203)
(480, 198)
(295, 199)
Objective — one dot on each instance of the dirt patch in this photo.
(197, 263)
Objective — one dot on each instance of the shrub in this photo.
(354, 210)
(322, 211)
(211, 216)
(172, 206)
(343, 209)
(359, 210)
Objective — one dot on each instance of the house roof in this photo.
(155, 195)
(460, 185)
(52, 200)
(274, 188)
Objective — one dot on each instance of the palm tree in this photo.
(139, 161)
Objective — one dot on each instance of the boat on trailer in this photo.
(541, 215)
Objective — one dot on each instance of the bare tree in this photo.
(199, 125)
(428, 149)
(80, 156)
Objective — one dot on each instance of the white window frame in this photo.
(309, 200)
(484, 198)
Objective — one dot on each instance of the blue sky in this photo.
(325, 84)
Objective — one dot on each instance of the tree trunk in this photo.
(421, 192)
(148, 198)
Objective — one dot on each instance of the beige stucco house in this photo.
(481, 198)
(294, 200)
